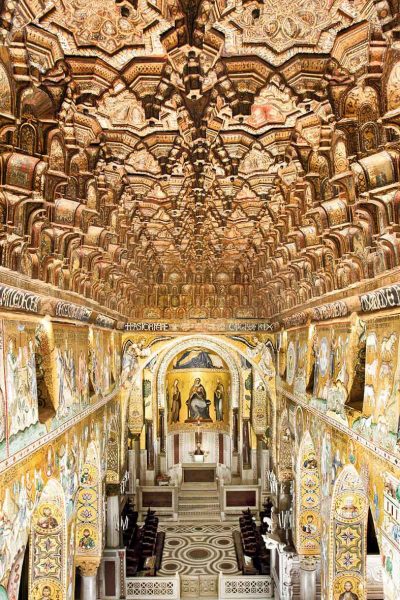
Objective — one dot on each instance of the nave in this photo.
(200, 475)
(199, 299)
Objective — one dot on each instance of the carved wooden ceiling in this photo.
(221, 135)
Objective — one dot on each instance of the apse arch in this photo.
(216, 426)
(139, 355)
(347, 536)
(206, 344)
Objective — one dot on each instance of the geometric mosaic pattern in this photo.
(198, 550)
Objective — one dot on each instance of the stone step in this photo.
(198, 493)
(198, 498)
(197, 487)
(190, 515)
(201, 499)
(198, 503)
(199, 508)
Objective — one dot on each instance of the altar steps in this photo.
(201, 500)
(197, 493)
(199, 504)
(206, 517)
(195, 488)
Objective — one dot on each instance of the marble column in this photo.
(149, 444)
(265, 467)
(132, 471)
(246, 450)
(136, 451)
(113, 521)
(284, 497)
(308, 577)
(161, 430)
(235, 430)
(88, 570)
(260, 449)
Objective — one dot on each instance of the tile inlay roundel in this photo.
(198, 550)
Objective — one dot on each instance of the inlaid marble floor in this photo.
(198, 550)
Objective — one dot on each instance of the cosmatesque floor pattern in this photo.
(198, 550)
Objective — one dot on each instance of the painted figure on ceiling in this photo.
(176, 402)
(219, 394)
(198, 405)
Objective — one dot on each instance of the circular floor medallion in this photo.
(198, 553)
(171, 567)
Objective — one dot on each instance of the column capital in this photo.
(113, 489)
(309, 563)
(88, 566)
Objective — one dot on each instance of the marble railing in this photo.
(154, 588)
(164, 499)
(235, 498)
(246, 587)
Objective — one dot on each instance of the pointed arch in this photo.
(197, 342)
(347, 536)
(48, 558)
(308, 499)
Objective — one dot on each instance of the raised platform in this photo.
(199, 473)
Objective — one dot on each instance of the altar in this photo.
(199, 472)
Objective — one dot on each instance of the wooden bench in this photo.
(247, 569)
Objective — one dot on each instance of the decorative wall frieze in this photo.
(72, 311)
(296, 320)
(387, 297)
(201, 325)
(15, 299)
(104, 321)
(333, 310)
